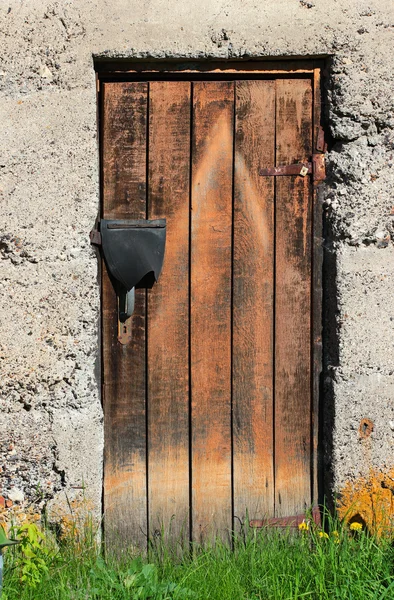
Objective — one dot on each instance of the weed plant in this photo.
(334, 563)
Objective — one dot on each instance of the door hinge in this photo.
(315, 168)
(321, 145)
(319, 167)
(95, 237)
(294, 521)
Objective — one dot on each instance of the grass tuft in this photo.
(333, 563)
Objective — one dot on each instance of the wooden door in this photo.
(208, 409)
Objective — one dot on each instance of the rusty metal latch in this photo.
(315, 168)
(296, 169)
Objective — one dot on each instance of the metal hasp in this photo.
(315, 168)
(133, 252)
(296, 169)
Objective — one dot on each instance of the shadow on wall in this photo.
(330, 334)
(369, 500)
(330, 362)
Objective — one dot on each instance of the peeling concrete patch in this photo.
(370, 501)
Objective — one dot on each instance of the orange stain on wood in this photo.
(212, 163)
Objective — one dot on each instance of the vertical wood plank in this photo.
(253, 293)
(168, 313)
(317, 289)
(293, 301)
(124, 197)
(316, 106)
(212, 165)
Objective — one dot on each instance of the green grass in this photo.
(262, 565)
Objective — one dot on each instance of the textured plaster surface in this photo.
(51, 421)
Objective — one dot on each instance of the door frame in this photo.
(112, 70)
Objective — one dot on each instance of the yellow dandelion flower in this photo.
(323, 534)
(303, 526)
(335, 535)
(355, 526)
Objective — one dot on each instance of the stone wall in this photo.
(51, 423)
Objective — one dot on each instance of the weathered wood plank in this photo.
(168, 313)
(317, 289)
(212, 168)
(253, 293)
(293, 302)
(124, 196)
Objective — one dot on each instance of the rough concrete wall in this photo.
(50, 416)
